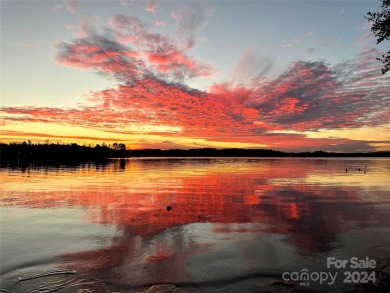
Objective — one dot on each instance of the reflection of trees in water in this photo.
(232, 198)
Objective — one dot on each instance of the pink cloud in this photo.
(159, 22)
(368, 39)
(161, 53)
(151, 70)
(72, 5)
(151, 7)
(302, 98)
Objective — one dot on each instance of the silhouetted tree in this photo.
(381, 30)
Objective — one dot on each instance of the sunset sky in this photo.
(286, 75)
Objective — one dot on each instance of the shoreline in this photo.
(26, 154)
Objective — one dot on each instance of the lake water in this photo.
(236, 225)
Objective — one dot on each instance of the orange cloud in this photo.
(152, 97)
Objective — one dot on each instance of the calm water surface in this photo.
(236, 225)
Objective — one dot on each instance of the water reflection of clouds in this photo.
(257, 214)
(356, 179)
(205, 190)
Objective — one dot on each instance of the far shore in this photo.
(24, 153)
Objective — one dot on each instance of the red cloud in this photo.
(197, 114)
(152, 97)
(102, 54)
(161, 53)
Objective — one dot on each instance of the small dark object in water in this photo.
(359, 169)
(346, 170)
(169, 208)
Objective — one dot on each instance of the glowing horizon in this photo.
(194, 74)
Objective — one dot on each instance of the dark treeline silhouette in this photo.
(67, 154)
(26, 153)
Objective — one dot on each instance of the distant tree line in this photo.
(71, 153)
(47, 153)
